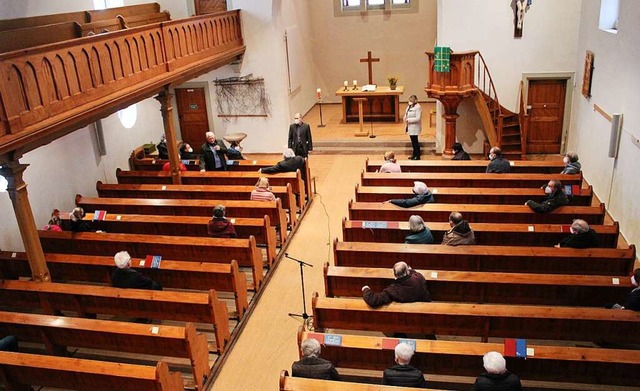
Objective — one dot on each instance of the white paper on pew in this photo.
(530, 352)
(512, 163)
(155, 330)
(434, 191)
(118, 217)
(141, 264)
(164, 187)
(233, 221)
(434, 275)
(255, 162)
(531, 228)
(153, 161)
(615, 281)
(13, 255)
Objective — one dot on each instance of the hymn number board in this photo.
(442, 55)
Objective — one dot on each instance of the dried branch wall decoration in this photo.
(244, 96)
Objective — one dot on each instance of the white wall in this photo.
(10, 9)
(615, 88)
(548, 44)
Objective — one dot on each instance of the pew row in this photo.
(477, 213)
(495, 234)
(58, 332)
(558, 364)
(260, 229)
(479, 320)
(246, 178)
(470, 195)
(446, 179)
(168, 207)
(470, 166)
(89, 300)
(196, 192)
(183, 248)
(488, 287)
(593, 261)
(171, 274)
(290, 383)
(20, 371)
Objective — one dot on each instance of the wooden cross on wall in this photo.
(370, 60)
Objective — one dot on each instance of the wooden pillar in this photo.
(17, 190)
(450, 116)
(361, 133)
(170, 134)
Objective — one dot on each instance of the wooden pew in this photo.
(495, 234)
(246, 178)
(488, 287)
(57, 333)
(21, 370)
(469, 195)
(169, 207)
(290, 383)
(446, 179)
(172, 274)
(479, 320)
(88, 299)
(29, 37)
(102, 26)
(183, 248)
(477, 213)
(260, 229)
(128, 10)
(137, 20)
(196, 192)
(593, 261)
(42, 20)
(563, 364)
(471, 166)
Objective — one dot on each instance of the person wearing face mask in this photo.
(422, 196)
(212, 154)
(572, 165)
(459, 153)
(413, 125)
(582, 236)
(300, 137)
(633, 298)
(186, 152)
(498, 164)
(554, 199)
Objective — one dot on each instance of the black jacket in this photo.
(587, 239)
(306, 142)
(418, 199)
(633, 300)
(504, 382)
(314, 368)
(407, 289)
(551, 202)
(129, 278)
(287, 165)
(461, 155)
(207, 159)
(404, 376)
(499, 165)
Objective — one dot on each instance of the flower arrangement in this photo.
(393, 81)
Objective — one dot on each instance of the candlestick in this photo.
(319, 93)
(355, 84)
(346, 85)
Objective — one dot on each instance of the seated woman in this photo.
(234, 152)
(422, 196)
(54, 223)
(219, 226)
(459, 153)
(186, 152)
(262, 191)
(420, 234)
(390, 164)
(76, 223)
(572, 165)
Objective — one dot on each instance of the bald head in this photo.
(400, 269)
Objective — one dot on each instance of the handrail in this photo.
(488, 88)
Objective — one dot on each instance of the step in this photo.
(368, 146)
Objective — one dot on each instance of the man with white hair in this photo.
(422, 195)
(290, 163)
(125, 277)
(403, 374)
(497, 377)
(581, 236)
(212, 154)
(311, 365)
(420, 233)
(408, 287)
(300, 137)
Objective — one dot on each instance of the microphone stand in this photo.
(371, 118)
(321, 124)
(304, 314)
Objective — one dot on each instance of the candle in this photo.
(346, 83)
(319, 93)
(355, 83)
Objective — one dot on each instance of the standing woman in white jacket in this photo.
(413, 125)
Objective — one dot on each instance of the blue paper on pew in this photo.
(521, 348)
(231, 162)
(333, 340)
(568, 190)
(410, 342)
(186, 162)
(374, 224)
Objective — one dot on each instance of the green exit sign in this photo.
(442, 57)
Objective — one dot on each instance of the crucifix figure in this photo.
(520, 7)
(370, 60)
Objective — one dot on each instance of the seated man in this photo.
(311, 366)
(403, 374)
(125, 277)
(212, 154)
(498, 164)
(633, 298)
(290, 163)
(9, 344)
(76, 222)
(408, 287)
(497, 377)
(420, 233)
(554, 199)
(582, 236)
(572, 166)
(219, 226)
(460, 232)
(459, 153)
(422, 196)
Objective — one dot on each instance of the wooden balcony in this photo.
(51, 90)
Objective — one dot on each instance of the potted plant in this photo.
(393, 81)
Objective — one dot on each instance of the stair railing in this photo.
(523, 117)
(484, 82)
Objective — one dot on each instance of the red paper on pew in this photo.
(152, 261)
(565, 228)
(318, 337)
(99, 215)
(575, 189)
(509, 347)
(389, 343)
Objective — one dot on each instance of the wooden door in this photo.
(210, 6)
(192, 113)
(546, 98)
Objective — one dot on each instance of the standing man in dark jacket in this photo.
(311, 365)
(582, 236)
(212, 154)
(300, 137)
(554, 199)
(497, 378)
(408, 287)
(125, 277)
(403, 374)
(422, 196)
(498, 164)
(290, 163)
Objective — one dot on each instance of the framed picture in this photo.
(587, 75)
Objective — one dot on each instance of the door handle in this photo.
(529, 107)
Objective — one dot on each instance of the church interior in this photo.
(99, 100)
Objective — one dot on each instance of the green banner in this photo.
(442, 56)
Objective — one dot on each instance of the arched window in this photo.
(128, 116)
(609, 14)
